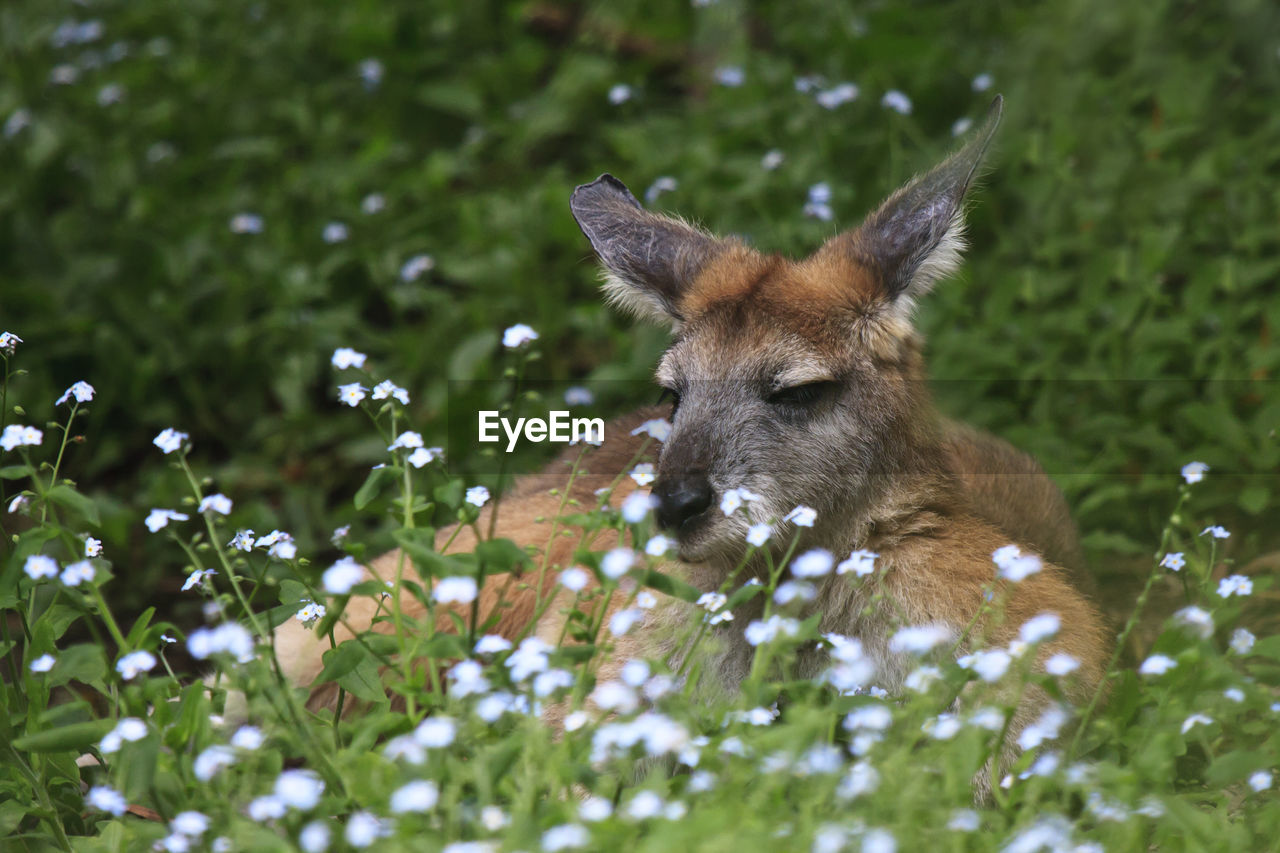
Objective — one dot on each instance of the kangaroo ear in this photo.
(649, 259)
(917, 235)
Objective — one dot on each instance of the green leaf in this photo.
(341, 660)
(501, 555)
(139, 627)
(374, 484)
(68, 497)
(77, 736)
(15, 472)
(419, 544)
(85, 663)
(674, 587)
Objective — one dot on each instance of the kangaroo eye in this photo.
(672, 395)
(802, 396)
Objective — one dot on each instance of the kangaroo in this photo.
(803, 383)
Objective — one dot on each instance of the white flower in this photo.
(733, 499)
(758, 633)
(529, 658)
(196, 576)
(364, 828)
(595, 809)
(812, 564)
(386, 388)
(861, 562)
(574, 579)
(982, 82)
(636, 506)
(82, 391)
(127, 729)
(1193, 472)
(961, 126)
(1261, 780)
(493, 819)
(1061, 664)
(1194, 720)
(619, 93)
(1235, 694)
(896, 101)
(712, 601)
(158, 519)
(218, 503)
(370, 71)
(416, 267)
(346, 357)
(615, 696)
(242, 541)
(9, 342)
(407, 439)
(578, 396)
(19, 503)
(246, 223)
(1173, 561)
(314, 837)
(617, 562)
(477, 496)
(135, 663)
(919, 639)
(730, 75)
(1217, 530)
(518, 335)
(659, 429)
(460, 590)
(771, 160)
(802, 516)
(1235, 585)
(16, 435)
(310, 613)
(664, 184)
(335, 232)
(339, 578)
(298, 789)
(373, 203)
(546, 683)
(758, 534)
(1046, 728)
(169, 440)
(644, 805)
(44, 663)
(247, 737)
(466, 678)
(266, 808)
(351, 394)
(624, 620)
(989, 665)
(191, 824)
(1242, 641)
(492, 644)
(1039, 628)
(1196, 620)
(868, 718)
(964, 820)
(658, 545)
(92, 547)
(789, 591)
(435, 732)
(565, 837)
(837, 95)
(106, 799)
(423, 456)
(861, 779)
(211, 760)
(78, 573)
(39, 566)
(230, 638)
(1157, 665)
(643, 474)
(419, 795)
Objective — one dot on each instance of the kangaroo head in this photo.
(798, 381)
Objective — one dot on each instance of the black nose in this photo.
(681, 498)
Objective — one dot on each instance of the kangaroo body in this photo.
(795, 383)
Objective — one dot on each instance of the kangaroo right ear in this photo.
(649, 259)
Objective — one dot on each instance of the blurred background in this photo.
(200, 201)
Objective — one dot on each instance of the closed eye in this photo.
(802, 396)
(672, 395)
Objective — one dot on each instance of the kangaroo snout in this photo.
(682, 498)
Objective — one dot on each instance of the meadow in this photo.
(210, 209)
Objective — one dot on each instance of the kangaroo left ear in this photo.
(917, 236)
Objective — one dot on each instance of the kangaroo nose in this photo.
(681, 499)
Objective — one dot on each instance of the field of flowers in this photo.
(251, 252)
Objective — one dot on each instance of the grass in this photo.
(1115, 318)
